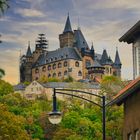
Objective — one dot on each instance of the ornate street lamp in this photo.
(55, 116)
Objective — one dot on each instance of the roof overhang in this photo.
(132, 34)
(125, 93)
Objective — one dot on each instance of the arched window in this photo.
(65, 72)
(79, 73)
(49, 75)
(77, 64)
(54, 66)
(49, 67)
(59, 65)
(36, 70)
(65, 64)
(54, 74)
(44, 68)
(59, 74)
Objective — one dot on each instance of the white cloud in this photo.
(29, 13)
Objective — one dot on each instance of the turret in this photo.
(117, 65)
(67, 37)
(92, 51)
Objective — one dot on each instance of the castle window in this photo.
(49, 67)
(88, 63)
(55, 58)
(36, 70)
(61, 57)
(54, 66)
(65, 72)
(59, 74)
(54, 74)
(79, 73)
(77, 64)
(44, 68)
(49, 75)
(36, 78)
(46, 60)
(65, 64)
(59, 65)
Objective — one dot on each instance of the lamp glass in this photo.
(55, 117)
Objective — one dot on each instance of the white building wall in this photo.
(136, 59)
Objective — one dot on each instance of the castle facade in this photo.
(73, 58)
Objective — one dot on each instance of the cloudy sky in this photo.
(102, 22)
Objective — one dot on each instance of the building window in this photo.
(59, 65)
(49, 67)
(51, 59)
(61, 57)
(44, 68)
(65, 72)
(55, 58)
(129, 136)
(88, 63)
(54, 66)
(59, 74)
(46, 60)
(77, 64)
(36, 70)
(49, 75)
(65, 64)
(79, 73)
(137, 134)
(54, 74)
(36, 78)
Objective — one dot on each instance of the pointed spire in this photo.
(104, 57)
(28, 54)
(67, 25)
(92, 47)
(117, 62)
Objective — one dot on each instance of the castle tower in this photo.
(28, 65)
(96, 70)
(133, 36)
(92, 51)
(67, 37)
(117, 65)
(106, 62)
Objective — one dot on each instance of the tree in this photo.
(111, 85)
(2, 73)
(5, 88)
(3, 5)
(11, 126)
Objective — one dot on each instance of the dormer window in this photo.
(46, 60)
(55, 58)
(51, 59)
(66, 56)
(61, 57)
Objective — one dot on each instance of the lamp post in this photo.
(55, 116)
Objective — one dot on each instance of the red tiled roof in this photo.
(130, 85)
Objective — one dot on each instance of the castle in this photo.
(74, 58)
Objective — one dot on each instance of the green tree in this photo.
(5, 88)
(2, 73)
(111, 85)
(11, 126)
(3, 5)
